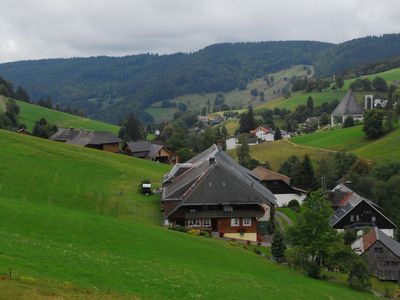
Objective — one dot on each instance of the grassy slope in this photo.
(30, 113)
(51, 229)
(275, 153)
(353, 139)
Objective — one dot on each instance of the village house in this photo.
(212, 192)
(101, 140)
(279, 185)
(357, 212)
(348, 107)
(264, 133)
(381, 252)
(151, 151)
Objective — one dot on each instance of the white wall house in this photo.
(263, 133)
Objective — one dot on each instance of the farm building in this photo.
(102, 140)
(355, 211)
(348, 107)
(150, 151)
(279, 185)
(212, 192)
(264, 133)
(381, 252)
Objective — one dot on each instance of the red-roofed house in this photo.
(264, 133)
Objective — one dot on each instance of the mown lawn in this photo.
(30, 113)
(71, 219)
(275, 153)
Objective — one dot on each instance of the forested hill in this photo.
(109, 87)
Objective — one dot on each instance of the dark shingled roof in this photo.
(352, 200)
(144, 149)
(348, 106)
(94, 138)
(64, 134)
(213, 177)
(375, 234)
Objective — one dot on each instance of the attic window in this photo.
(228, 208)
(210, 183)
(223, 183)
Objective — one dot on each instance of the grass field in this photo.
(30, 113)
(72, 223)
(385, 149)
(275, 153)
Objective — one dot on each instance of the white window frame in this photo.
(194, 222)
(235, 222)
(351, 218)
(206, 222)
(246, 221)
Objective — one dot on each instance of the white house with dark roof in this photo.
(348, 107)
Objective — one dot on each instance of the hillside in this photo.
(73, 224)
(108, 87)
(353, 139)
(30, 113)
(235, 99)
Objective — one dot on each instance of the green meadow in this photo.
(73, 224)
(384, 149)
(30, 113)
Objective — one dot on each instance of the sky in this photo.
(34, 29)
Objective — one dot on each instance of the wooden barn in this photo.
(151, 151)
(101, 140)
(212, 192)
(381, 252)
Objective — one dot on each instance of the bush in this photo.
(312, 269)
(194, 232)
(205, 234)
(293, 203)
(359, 277)
(348, 122)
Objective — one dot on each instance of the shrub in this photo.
(194, 232)
(205, 234)
(257, 251)
(293, 203)
(312, 269)
(359, 278)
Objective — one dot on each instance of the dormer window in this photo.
(228, 208)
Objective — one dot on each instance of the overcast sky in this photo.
(32, 29)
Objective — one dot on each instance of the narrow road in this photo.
(280, 218)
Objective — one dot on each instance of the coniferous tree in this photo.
(307, 175)
(310, 103)
(21, 94)
(250, 118)
(277, 134)
(132, 129)
(278, 247)
(339, 81)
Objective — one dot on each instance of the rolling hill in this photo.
(30, 113)
(72, 223)
(108, 87)
(384, 149)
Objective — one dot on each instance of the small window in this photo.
(378, 252)
(223, 183)
(194, 222)
(246, 221)
(352, 218)
(210, 183)
(373, 219)
(235, 222)
(357, 217)
(206, 222)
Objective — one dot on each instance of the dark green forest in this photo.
(109, 88)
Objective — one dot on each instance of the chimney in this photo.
(212, 160)
(220, 144)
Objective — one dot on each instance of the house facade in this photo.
(279, 185)
(355, 211)
(212, 192)
(381, 253)
(264, 133)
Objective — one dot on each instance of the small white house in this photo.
(263, 133)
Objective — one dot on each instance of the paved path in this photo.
(279, 217)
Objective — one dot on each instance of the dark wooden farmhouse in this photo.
(102, 140)
(213, 192)
(279, 185)
(381, 252)
(151, 151)
(357, 212)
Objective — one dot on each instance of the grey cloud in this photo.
(31, 29)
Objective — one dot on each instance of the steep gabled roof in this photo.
(213, 177)
(348, 106)
(374, 235)
(265, 174)
(64, 134)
